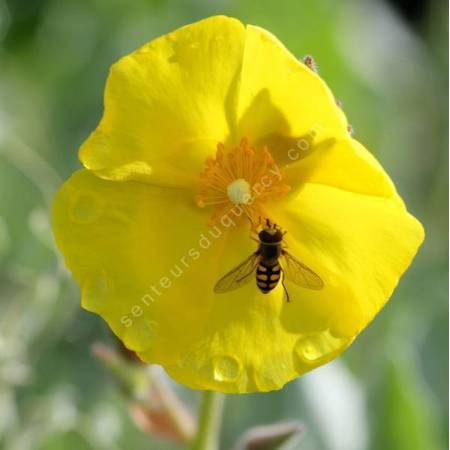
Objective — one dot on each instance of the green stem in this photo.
(209, 422)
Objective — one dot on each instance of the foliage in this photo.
(388, 391)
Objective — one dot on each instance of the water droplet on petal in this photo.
(318, 347)
(226, 368)
(95, 291)
(86, 208)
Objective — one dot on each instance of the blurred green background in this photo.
(389, 65)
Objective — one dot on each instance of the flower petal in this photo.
(360, 245)
(342, 163)
(167, 104)
(280, 97)
(133, 250)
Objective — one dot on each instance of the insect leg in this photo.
(252, 225)
(285, 288)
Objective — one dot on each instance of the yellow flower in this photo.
(213, 116)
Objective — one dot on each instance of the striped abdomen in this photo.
(267, 277)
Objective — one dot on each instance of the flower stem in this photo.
(209, 422)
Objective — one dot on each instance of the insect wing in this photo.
(239, 276)
(300, 274)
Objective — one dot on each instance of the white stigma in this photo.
(239, 191)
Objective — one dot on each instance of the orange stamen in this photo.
(243, 177)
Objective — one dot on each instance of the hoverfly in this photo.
(265, 262)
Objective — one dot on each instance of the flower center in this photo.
(240, 179)
(239, 191)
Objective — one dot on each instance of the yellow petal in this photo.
(167, 104)
(128, 246)
(342, 163)
(279, 96)
(359, 245)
